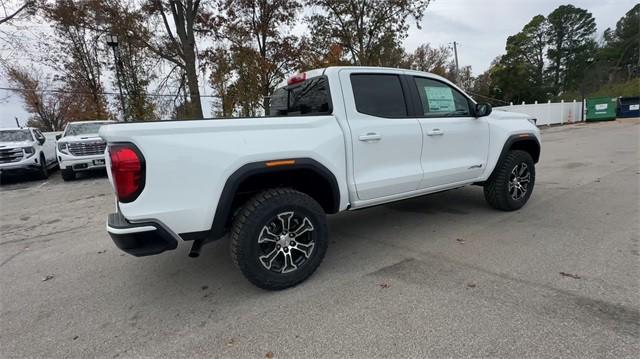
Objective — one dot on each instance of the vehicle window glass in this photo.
(15, 136)
(76, 129)
(441, 100)
(310, 97)
(379, 95)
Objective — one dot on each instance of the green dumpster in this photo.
(601, 109)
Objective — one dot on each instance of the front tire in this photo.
(279, 238)
(43, 172)
(67, 174)
(512, 181)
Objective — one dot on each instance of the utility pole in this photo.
(455, 53)
(112, 40)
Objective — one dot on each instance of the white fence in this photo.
(549, 113)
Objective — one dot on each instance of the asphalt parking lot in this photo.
(437, 276)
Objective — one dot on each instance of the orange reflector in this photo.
(524, 135)
(280, 163)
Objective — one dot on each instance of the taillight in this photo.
(127, 171)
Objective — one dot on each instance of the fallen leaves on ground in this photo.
(384, 285)
(231, 342)
(570, 275)
(47, 277)
(269, 355)
(471, 285)
(460, 240)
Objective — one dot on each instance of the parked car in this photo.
(26, 150)
(340, 138)
(80, 148)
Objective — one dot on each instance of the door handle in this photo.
(435, 132)
(370, 136)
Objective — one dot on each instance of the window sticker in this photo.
(440, 99)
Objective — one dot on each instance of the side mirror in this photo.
(59, 136)
(41, 140)
(482, 109)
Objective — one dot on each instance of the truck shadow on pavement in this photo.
(399, 223)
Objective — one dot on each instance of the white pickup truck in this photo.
(340, 138)
(80, 148)
(26, 149)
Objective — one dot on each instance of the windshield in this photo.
(15, 135)
(310, 97)
(77, 129)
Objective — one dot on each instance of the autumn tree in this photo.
(73, 53)
(437, 60)
(570, 44)
(365, 29)
(135, 61)
(259, 33)
(178, 21)
(50, 108)
(12, 9)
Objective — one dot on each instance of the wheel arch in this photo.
(304, 174)
(527, 142)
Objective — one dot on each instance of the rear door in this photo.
(386, 142)
(455, 143)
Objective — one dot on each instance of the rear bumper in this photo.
(140, 239)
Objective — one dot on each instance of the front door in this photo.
(386, 142)
(455, 143)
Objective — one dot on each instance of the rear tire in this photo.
(511, 182)
(279, 238)
(68, 174)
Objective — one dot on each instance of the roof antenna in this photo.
(17, 123)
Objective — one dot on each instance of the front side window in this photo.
(77, 129)
(379, 95)
(441, 100)
(310, 97)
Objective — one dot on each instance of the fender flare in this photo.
(223, 209)
(513, 139)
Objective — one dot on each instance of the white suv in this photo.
(80, 148)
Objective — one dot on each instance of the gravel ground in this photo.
(437, 276)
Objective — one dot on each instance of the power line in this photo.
(89, 94)
(487, 97)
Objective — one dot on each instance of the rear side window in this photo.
(379, 95)
(310, 97)
(441, 100)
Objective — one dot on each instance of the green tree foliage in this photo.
(570, 45)
(370, 32)
(622, 45)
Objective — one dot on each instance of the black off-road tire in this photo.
(43, 172)
(496, 188)
(67, 174)
(257, 213)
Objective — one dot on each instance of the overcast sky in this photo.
(480, 27)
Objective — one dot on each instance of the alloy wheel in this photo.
(286, 242)
(519, 181)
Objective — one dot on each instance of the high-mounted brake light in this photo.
(127, 170)
(297, 78)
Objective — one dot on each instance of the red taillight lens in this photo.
(127, 170)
